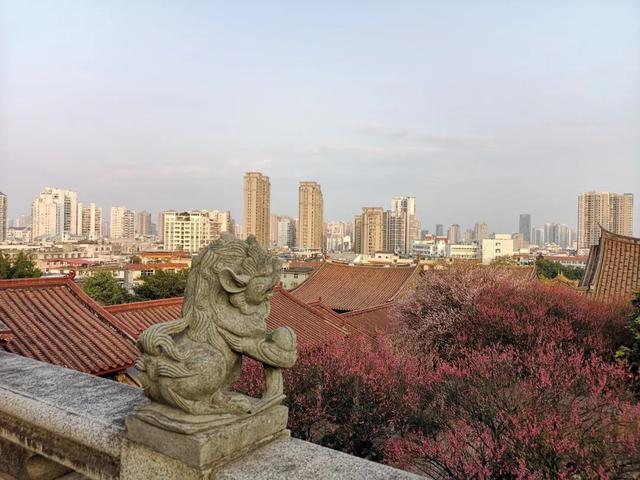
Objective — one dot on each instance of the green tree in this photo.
(105, 289)
(162, 284)
(503, 261)
(5, 266)
(136, 259)
(24, 267)
(549, 269)
(21, 267)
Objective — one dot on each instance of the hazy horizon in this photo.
(481, 110)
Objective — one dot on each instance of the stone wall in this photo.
(61, 424)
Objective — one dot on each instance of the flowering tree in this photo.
(488, 374)
(351, 396)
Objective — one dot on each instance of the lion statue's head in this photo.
(230, 273)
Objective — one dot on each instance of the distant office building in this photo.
(538, 237)
(21, 221)
(480, 232)
(369, 230)
(612, 211)
(468, 236)
(309, 234)
(525, 227)
(55, 214)
(557, 233)
(189, 231)
(143, 224)
(499, 246)
(286, 230)
(453, 234)
(518, 241)
(239, 230)
(439, 230)
(90, 221)
(122, 223)
(257, 206)
(3, 217)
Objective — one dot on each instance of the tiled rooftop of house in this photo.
(346, 288)
(613, 268)
(53, 320)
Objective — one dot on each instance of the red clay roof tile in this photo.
(53, 320)
(613, 268)
(348, 288)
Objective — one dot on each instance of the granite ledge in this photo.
(291, 458)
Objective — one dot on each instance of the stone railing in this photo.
(61, 424)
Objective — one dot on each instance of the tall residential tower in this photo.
(310, 216)
(612, 211)
(257, 206)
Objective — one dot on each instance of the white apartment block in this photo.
(189, 231)
(122, 224)
(55, 214)
(463, 251)
(89, 221)
(499, 246)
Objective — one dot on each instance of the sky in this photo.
(481, 110)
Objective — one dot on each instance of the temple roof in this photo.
(373, 319)
(312, 324)
(55, 321)
(613, 268)
(347, 288)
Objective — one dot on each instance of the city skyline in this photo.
(430, 227)
(524, 114)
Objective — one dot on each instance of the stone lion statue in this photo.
(191, 363)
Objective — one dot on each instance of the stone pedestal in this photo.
(196, 455)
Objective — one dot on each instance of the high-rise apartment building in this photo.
(369, 231)
(480, 232)
(468, 236)
(286, 229)
(310, 216)
(3, 217)
(372, 230)
(538, 237)
(357, 234)
(143, 224)
(189, 231)
(90, 218)
(612, 211)
(439, 230)
(401, 227)
(453, 234)
(122, 223)
(55, 214)
(273, 229)
(524, 227)
(161, 216)
(257, 206)
(223, 217)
